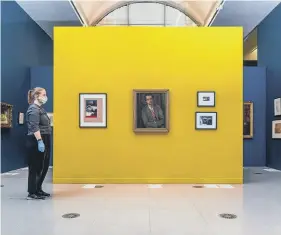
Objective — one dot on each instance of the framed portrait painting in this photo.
(206, 99)
(277, 107)
(6, 115)
(205, 120)
(151, 110)
(276, 129)
(248, 120)
(93, 110)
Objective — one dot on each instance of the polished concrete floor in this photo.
(145, 210)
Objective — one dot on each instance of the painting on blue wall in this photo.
(276, 129)
(248, 120)
(6, 115)
(277, 107)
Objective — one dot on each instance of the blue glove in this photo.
(41, 146)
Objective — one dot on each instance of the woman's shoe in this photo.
(43, 194)
(35, 197)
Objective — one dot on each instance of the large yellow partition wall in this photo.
(116, 60)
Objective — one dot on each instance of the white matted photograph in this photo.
(206, 121)
(206, 99)
(21, 118)
(93, 110)
(277, 107)
(51, 117)
(276, 129)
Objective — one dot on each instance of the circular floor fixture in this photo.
(98, 186)
(198, 186)
(70, 215)
(228, 216)
(258, 173)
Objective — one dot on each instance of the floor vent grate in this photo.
(198, 186)
(71, 216)
(228, 216)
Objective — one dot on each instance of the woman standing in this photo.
(38, 143)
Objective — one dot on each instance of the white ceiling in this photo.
(48, 14)
(200, 11)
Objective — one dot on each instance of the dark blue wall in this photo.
(269, 55)
(23, 45)
(255, 91)
(43, 77)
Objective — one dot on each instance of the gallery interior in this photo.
(165, 117)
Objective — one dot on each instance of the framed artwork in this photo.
(276, 129)
(277, 107)
(206, 121)
(93, 110)
(206, 99)
(248, 120)
(51, 117)
(6, 115)
(21, 118)
(151, 110)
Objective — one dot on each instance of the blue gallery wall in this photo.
(255, 91)
(23, 45)
(42, 76)
(269, 55)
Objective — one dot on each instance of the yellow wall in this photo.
(117, 60)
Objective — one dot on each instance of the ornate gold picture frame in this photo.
(6, 115)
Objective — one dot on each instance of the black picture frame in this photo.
(106, 110)
(248, 120)
(200, 92)
(216, 126)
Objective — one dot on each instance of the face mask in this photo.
(43, 100)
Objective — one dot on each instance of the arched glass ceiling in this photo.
(145, 13)
(102, 12)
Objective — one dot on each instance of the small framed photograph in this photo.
(206, 99)
(277, 107)
(248, 120)
(93, 110)
(21, 118)
(51, 117)
(276, 129)
(6, 115)
(151, 110)
(206, 121)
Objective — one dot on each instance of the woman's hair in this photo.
(33, 93)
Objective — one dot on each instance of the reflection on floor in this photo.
(143, 209)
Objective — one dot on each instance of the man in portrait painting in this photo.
(152, 115)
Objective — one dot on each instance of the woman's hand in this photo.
(41, 146)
